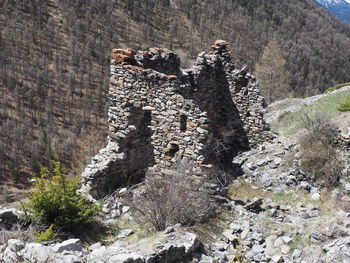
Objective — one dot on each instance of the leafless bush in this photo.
(321, 163)
(221, 143)
(222, 175)
(319, 129)
(318, 152)
(19, 232)
(177, 196)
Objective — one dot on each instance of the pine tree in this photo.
(272, 74)
(55, 203)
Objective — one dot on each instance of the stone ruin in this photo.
(159, 113)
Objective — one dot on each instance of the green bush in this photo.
(47, 235)
(34, 165)
(55, 202)
(344, 106)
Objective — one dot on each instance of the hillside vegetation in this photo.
(54, 61)
(289, 113)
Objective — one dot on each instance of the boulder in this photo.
(229, 235)
(125, 233)
(257, 249)
(9, 217)
(34, 252)
(255, 205)
(127, 258)
(13, 247)
(171, 247)
(68, 245)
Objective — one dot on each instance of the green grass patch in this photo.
(241, 190)
(299, 242)
(291, 122)
(244, 191)
(325, 204)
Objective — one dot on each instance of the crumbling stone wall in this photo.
(159, 113)
(245, 92)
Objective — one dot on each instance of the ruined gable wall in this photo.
(251, 107)
(150, 125)
(159, 113)
(209, 88)
(172, 118)
(245, 92)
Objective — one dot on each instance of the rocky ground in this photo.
(276, 216)
(283, 217)
(273, 213)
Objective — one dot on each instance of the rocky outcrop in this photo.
(174, 245)
(159, 113)
(20, 251)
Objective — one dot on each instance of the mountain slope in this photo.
(328, 3)
(54, 61)
(340, 8)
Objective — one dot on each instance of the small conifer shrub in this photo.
(55, 203)
(47, 235)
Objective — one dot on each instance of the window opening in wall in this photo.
(148, 117)
(183, 123)
(173, 149)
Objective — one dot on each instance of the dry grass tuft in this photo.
(19, 232)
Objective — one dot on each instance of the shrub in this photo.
(321, 163)
(34, 165)
(221, 145)
(174, 197)
(318, 152)
(319, 129)
(55, 202)
(344, 106)
(47, 235)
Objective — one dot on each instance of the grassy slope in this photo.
(291, 123)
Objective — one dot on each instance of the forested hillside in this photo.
(54, 60)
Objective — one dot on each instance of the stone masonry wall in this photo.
(245, 92)
(159, 113)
